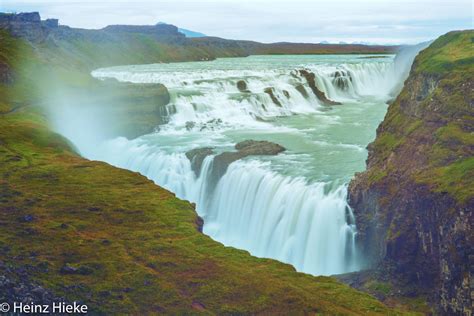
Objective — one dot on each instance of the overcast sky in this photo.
(375, 21)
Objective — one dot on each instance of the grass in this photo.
(439, 125)
(456, 179)
(450, 52)
(137, 244)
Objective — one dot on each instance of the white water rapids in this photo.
(291, 207)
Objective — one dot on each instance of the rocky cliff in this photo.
(414, 204)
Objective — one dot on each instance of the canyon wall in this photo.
(414, 204)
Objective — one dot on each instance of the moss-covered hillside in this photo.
(110, 238)
(114, 240)
(414, 204)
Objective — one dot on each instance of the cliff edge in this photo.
(414, 204)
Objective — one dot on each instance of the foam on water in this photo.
(202, 95)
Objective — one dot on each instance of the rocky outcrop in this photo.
(244, 149)
(116, 108)
(16, 285)
(242, 86)
(27, 25)
(132, 110)
(196, 157)
(311, 79)
(222, 161)
(109, 46)
(51, 23)
(271, 92)
(414, 204)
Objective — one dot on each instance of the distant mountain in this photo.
(187, 33)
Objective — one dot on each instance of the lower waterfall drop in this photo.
(254, 208)
(283, 218)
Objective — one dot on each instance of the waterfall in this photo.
(285, 207)
(253, 208)
(207, 95)
(283, 218)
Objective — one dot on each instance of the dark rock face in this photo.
(256, 147)
(199, 223)
(244, 149)
(271, 92)
(26, 25)
(242, 86)
(414, 221)
(51, 23)
(310, 78)
(197, 156)
(124, 109)
(16, 286)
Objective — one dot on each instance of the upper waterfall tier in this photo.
(225, 92)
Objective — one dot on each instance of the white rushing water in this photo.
(201, 93)
(291, 207)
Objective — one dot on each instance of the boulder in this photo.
(256, 147)
(190, 125)
(242, 86)
(244, 149)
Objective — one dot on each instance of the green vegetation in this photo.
(450, 52)
(382, 287)
(455, 179)
(435, 132)
(129, 246)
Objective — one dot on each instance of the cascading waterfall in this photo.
(283, 218)
(291, 207)
(254, 208)
(206, 95)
